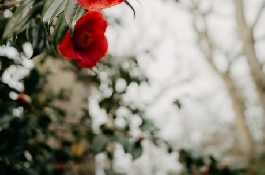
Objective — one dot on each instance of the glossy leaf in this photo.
(54, 10)
(37, 36)
(60, 30)
(73, 11)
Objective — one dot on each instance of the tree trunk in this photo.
(245, 140)
(247, 37)
(245, 143)
(63, 80)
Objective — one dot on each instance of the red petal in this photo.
(65, 46)
(89, 58)
(93, 22)
(98, 4)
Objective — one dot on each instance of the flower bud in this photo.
(141, 137)
(60, 168)
(23, 100)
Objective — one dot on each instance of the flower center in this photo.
(82, 39)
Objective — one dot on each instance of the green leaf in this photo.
(99, 143)
(29, 171)
(60, 30)
(4, 122)
(54, 10)
(21, 16)
(122, 139)
(37, 36)
(46, 5)
(147, 125)
(136, 150)
(169, 149)
(177, 103)
(73, 11)
(2, 28)
(107, 172)
(31, 82)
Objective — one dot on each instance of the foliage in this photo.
(30, 144)
(196, 162)
(24, 135)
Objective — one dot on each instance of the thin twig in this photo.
(258, 15)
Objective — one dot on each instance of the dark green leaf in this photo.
(107, 172)
(136, 150)
(2, 28)
(169, 149)
(31, 82)
(62, 155)
(29, 171)
(177, 103)
(45, 147)
(37, 36)
(4, 122)
(99, 143)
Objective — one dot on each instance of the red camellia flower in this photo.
(98, 4)
(88, 44)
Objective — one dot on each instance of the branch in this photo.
(166, 88)
(231, 57)
(204, 38)
(240, 16)
(247, 37)
(258, 15)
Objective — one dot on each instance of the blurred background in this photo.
(181, 91)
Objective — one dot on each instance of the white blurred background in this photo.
(164, 36)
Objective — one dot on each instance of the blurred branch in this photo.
(246, 35)
(208, 49)
(204, 39)
(240, 16)
(206, 43)
(258, 15)
(231, 58)
(166, 88)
